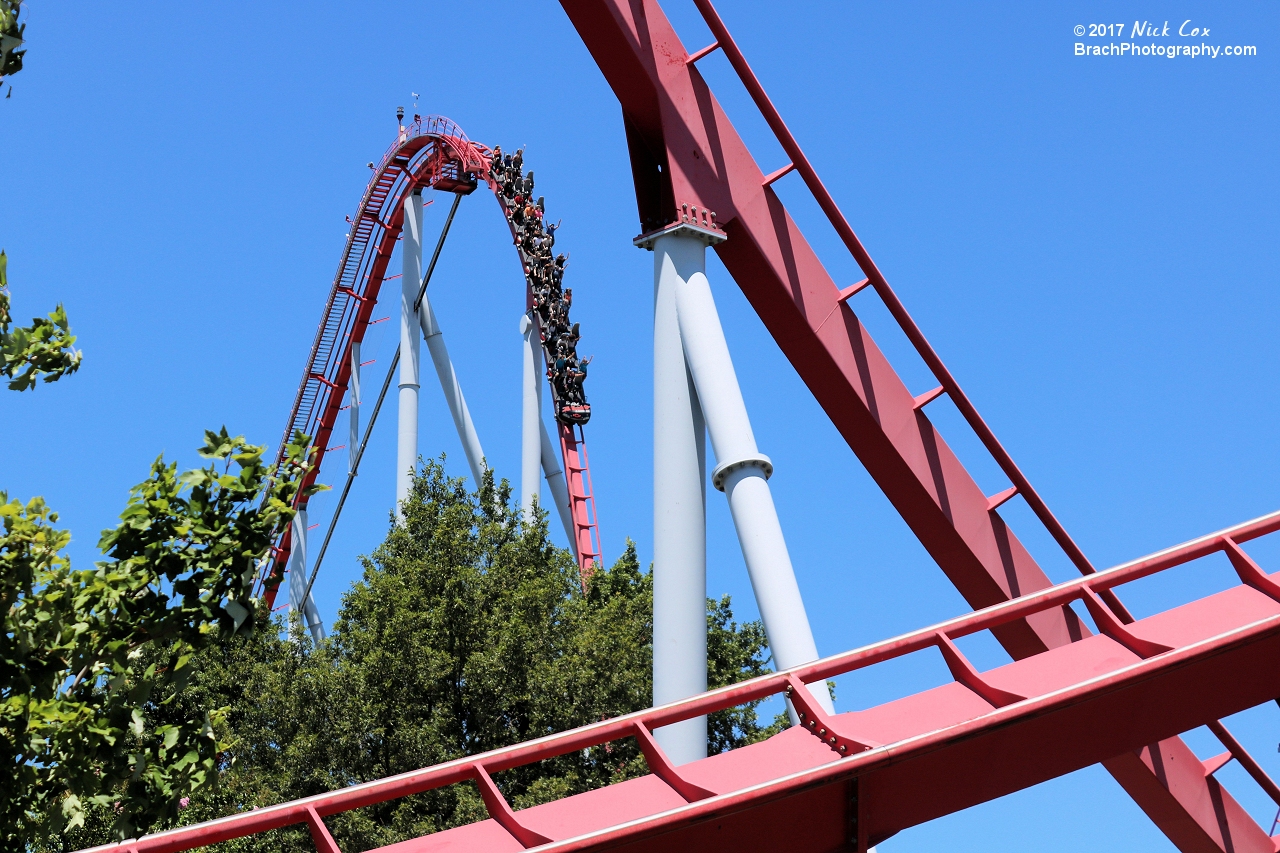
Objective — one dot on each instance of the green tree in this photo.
(86, 652)
(86, 656)
(468, 631)
(44, 347)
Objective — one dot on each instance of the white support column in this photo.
(307, 611)
(531, 417)
(679, 522)
(407, 435)
(742, 472)
(353, 441)
(559, 489)
(452, 391)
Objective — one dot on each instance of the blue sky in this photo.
(1090, 243)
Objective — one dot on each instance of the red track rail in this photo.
(430, 151)
(582, 497)
(860, 777)
(573, 449)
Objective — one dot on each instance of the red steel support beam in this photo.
(685, 151)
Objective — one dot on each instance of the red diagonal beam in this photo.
(685, 151)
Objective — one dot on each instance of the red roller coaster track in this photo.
(686, 154)
(1069, 699)
(852, 780)
(432, 152)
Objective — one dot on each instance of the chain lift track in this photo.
(431, 153)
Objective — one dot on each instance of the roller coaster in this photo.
(434, 153)
(1073, 696)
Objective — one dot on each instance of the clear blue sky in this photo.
(1090, 243)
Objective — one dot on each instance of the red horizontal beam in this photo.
(907, 781)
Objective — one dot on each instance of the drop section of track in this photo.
(548, 303)
(433, 153)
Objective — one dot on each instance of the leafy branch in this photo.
(45, 347)
(85, 652)
(11, 39)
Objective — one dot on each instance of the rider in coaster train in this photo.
(535, 239)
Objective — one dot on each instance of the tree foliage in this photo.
(94, 719)
(468, 631)
(46, 347)
(11, 38)
(88, 655)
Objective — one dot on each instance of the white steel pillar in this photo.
(531, 418)
(559, 489)
(307, 611)
(452, 390)
(679, 518)
(742, 472)
(410, 345)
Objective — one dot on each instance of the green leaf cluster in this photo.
(91, 658)
(45, 348)
(11, 38)
(468, 631)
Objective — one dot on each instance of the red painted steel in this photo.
(430, 152)
(319, 833)
(582, 498)
(877, 280)
(686, 155)
(861, 776)
(1239, 753)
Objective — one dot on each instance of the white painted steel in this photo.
(679, 513)
(531, 417)
(353, 441)
(307, 611)
(410, 347)
(452, 390)
(742, 469)
(559, 488)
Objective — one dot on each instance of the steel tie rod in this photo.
(435, 256)
(373, 416)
